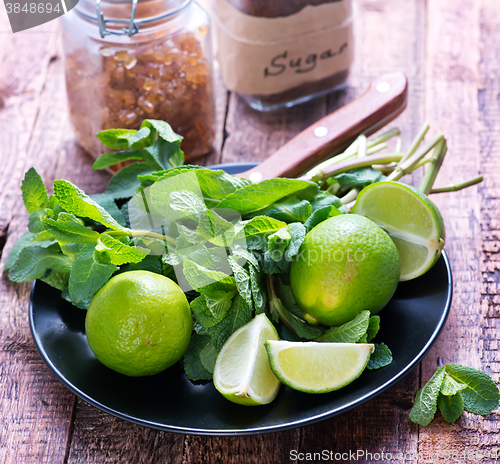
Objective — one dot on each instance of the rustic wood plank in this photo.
(25, 59)
(489, 138)
(36, 408)
(257, 449)
(100, 438)
(452, 77)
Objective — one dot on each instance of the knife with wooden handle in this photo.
(384, 100)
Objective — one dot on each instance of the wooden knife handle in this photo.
(382, 102)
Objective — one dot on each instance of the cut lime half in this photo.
(242, 373)
(314, 367)
(410, 218)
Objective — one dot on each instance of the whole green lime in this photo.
(345, 265)
(139, 323)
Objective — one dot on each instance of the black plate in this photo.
(410, 324)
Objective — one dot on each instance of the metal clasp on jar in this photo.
(133, 26)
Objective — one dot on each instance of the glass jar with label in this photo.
(283, 52)
(130, 60)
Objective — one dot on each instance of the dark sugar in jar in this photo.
(164, 71)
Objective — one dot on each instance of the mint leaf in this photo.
(215, 228)
(187, 202)
(141, 139)
(124, 184)
(150, 263)
(57, 278)
(216, 185)
(203, 279)
(302, 328)
(451, 387)
(425, 405)
(22, 242)
(246, 256)
(289, 209)
(211, 307)
(69, 229)
(163, 155)
(161, 129)
(34, 191)
(193, 367)
(33, 262)
(208, 356)
(277, 242)
(88, 275)
(72, 249)
(35, 223)
(298, 233)
(323, 199)
(243, 283)
(320, 215)
(164, 174)
(117, 139)
(283, 246)
(255, 197)
(373, 328)
(451, 406)
(258, 290)
(109, 159)
(111, 250)
(258, 229)
(108, 203)
(75, 201)
(350, 332)
(481, 395)
(28, 239)
(239, 314)
(202, 314)
(381, 357)
(359, 177)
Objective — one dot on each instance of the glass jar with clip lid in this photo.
(130, 60)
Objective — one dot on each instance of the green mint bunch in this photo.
(454, 388)
(227, 242)
(73, 243)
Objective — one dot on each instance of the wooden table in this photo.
(450, 50)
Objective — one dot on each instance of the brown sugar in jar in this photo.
(281, 53)
(164, 71)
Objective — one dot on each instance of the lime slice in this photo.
(242, 373)
(410, 218)
(317, 367)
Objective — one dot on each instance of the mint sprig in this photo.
(454, 388)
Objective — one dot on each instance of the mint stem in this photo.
(141, 233)
(373, 146)
(350, 196)
(275, 303)
(434, 167)
(416, 142)
(408, 165)
(457, 187)
(358, 163)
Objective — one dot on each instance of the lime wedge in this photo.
(242, 373)
(410, 218)
(317, 367)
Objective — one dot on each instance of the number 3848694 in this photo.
(32, 8)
